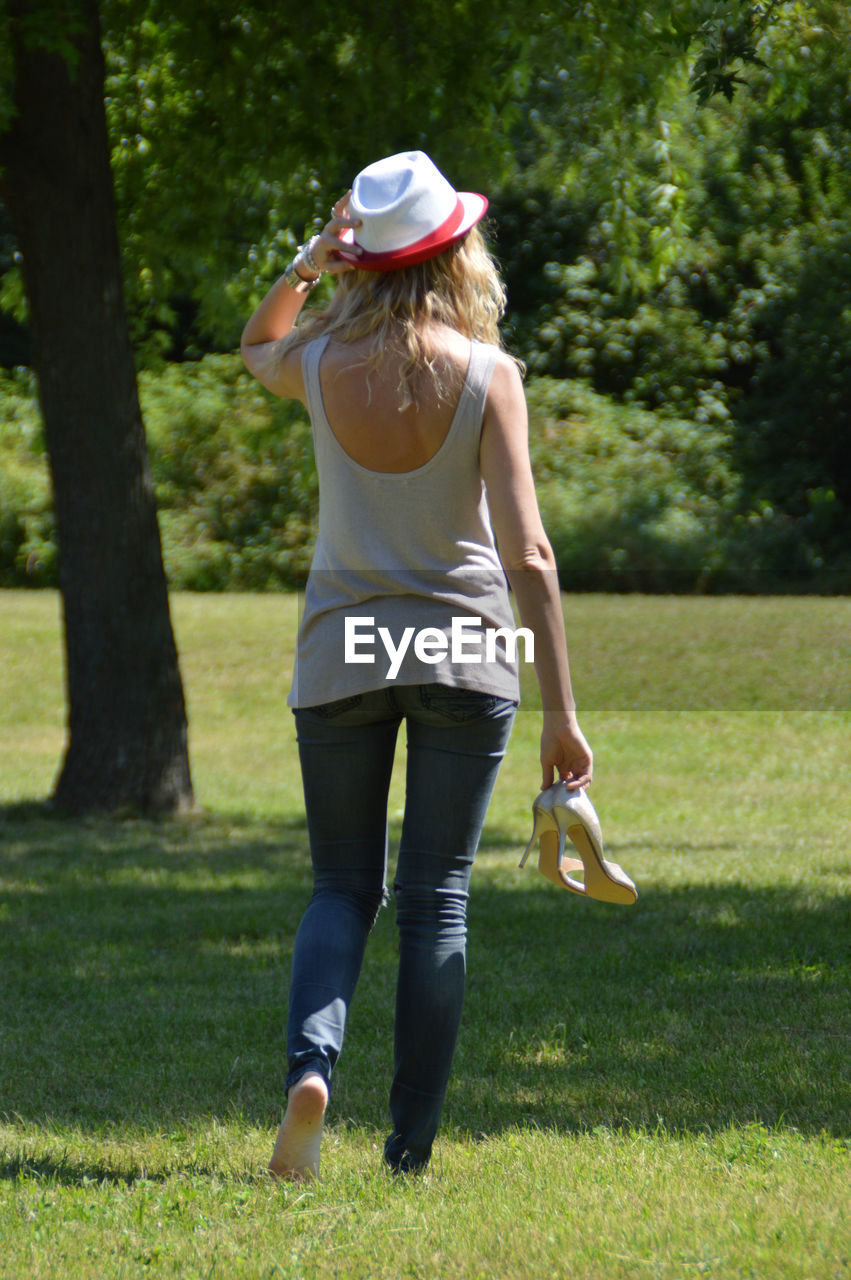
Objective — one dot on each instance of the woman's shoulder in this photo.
(456, 349)
(507, 374)
(505, 405)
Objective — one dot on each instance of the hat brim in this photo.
(474, 209)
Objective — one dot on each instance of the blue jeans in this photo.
(456, 741)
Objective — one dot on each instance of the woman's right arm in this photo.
(529, 562)
(276, 315)
(260, 346)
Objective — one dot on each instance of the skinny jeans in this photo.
(456, 739)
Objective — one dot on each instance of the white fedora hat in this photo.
(408, 212)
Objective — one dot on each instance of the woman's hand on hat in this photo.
(325, 247)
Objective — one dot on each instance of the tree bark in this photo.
(127, 729)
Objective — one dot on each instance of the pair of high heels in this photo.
(558, 813)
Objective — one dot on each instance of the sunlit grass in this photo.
(654, 1091)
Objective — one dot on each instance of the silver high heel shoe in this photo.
(558, 813)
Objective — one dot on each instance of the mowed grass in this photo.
(654, 1091)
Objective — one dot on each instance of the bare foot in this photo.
(296, 1154)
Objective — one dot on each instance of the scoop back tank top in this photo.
(401, 553)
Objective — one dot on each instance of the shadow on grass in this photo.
(68, 1171)
(145, 970)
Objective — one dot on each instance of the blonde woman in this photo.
(420, 436)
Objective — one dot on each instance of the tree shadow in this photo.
(145, 967)
(69, 1171)
(700, 1007)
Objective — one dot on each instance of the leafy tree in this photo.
(716, 287)
(127, 721)
(216, 119)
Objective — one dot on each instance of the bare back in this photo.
(362, 409)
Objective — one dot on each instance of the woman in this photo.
(420, 434)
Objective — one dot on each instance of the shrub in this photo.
(27, 536)
(631, 500)
(794, 438)
(234, 475)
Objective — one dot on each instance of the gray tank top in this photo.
(404, 565)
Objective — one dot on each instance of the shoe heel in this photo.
(541, 821)
(562, 837)
(522, 862)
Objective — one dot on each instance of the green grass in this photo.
(657, 1091)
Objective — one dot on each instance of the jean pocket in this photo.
(460, 704)
(329, 710)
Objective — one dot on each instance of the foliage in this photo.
(794, 441)
(234, 473)
(689, 264)
(206, 171)
(204, 167)
(632, 499)
(725, 47)
(27, 537)
(733, 313)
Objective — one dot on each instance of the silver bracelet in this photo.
(306, 255)
(296, 281)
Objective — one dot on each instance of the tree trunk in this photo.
(127, 731)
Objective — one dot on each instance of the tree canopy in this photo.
(232, 131)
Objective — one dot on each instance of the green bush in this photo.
(794, 438)
(745, 324)
(639, 501)
(632, 500)
(234, 475)
(27, 536)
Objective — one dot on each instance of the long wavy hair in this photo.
(460, 288)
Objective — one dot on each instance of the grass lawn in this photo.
(659, 1091)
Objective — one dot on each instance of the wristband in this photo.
(306, 255)
(296, 281)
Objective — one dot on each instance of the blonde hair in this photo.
(459, 288)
